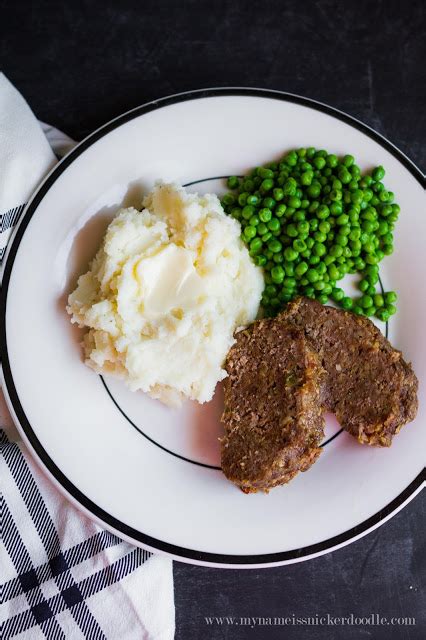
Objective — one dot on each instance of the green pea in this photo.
(353, 217)
(301, 268)
(378, 300)
(306, 178)
(289, 268)
(333, 272)
(344, 175)
(390, 297)
(369, 247)
(336, 208)
(292, 230)
(336, 250)
(265, 214)
(264, 172)
(319, 285)
(289, 282)
(268, 202)
(289, 187)
(303, 227)
(319, 249)
(291, 159)
(280, 210)
(277, 274)
(314, 190)
(299, 245)
(345, 229)
(299, 216)
(249, 232)
(363, 285)
(319, 162)
(290, 254)
(383, 314)
(332, 160)
(383, 228)
(322, 298)
(253, 200)
(378, 173)
(324, 226)
(270, 290)
(322, 269)
(337, 294)
(266, 185)
(294, 202)
(320, 237)
(371, 258)
(370, 270)
(274, 224)
(367, 226)
(369, 214)
(274, 245)
(335, 195)
(323, 212)
(341, 240)
(391, 309)
(309, 292)
(260, 261)
(373, 278)
(347, 303)
(233, 182)
(256, 245)
(312, 275)
(342, 219)
(247, 212)
(228, 200)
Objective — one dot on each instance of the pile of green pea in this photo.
(310, 219)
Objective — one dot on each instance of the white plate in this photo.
(150, 473)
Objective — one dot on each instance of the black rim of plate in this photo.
(70, 488)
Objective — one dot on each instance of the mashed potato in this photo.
(164, 295)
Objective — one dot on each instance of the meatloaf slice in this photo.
(369, 386)
(273, 415)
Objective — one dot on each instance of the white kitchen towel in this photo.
(61, 575)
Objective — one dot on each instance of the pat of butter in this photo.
(169, 281)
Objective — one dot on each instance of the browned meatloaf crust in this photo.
(273, 415)
(368, 386)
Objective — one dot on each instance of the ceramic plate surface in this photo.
(151, 473)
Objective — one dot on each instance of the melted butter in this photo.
(168, 281)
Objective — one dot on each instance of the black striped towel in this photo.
(61, 575)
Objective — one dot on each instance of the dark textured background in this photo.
(80, 64)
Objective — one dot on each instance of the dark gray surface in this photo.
(383, 573)
(81, 63)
